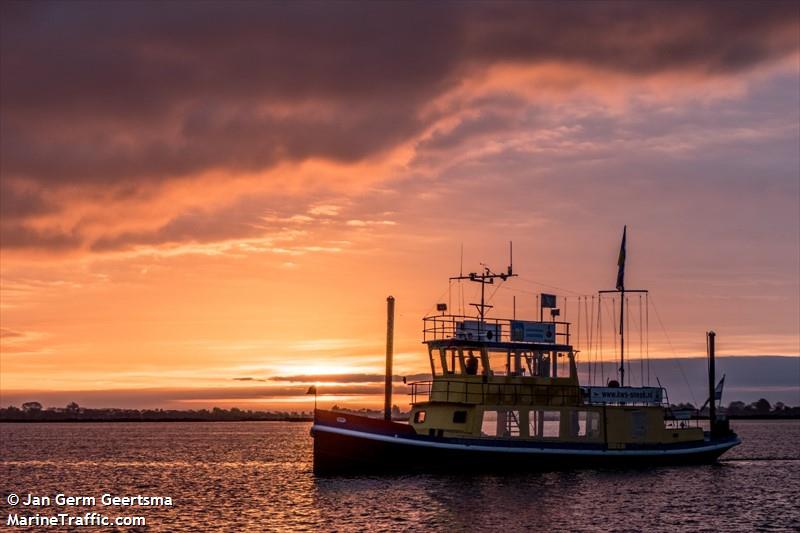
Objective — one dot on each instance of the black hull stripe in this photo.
(722, 446)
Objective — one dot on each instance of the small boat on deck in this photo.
(496, 402)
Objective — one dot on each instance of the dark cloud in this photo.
(124, 96)
(194, 225)
(19, 202)
(108, 91)
(21, 235)
(9, 333)
(748, 378)
(160, 397)
(482, 124)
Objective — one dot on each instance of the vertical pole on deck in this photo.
(622, 338)
(712, 403)
(387, 402)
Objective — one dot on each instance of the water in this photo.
(256, 476)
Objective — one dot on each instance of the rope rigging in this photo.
(588, 331)
(674, 354)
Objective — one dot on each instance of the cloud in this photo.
(347, 378)
(110, 104)
(99, 94)
(10, 333)
(239, 220)
(18, 202)
(20, 235)
(748, 378)
(327, 210)
(163, 397)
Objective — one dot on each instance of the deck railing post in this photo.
(712, 403)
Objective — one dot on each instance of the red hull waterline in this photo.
(348, 444)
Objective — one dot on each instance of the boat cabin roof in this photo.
(499, 345)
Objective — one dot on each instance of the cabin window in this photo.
(544, 424)
(419, 417)
(500, 423)
(584, 423)
(489, 424)
(459, 417)
(591, 426)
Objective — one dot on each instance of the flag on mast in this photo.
(621, 262)
(718, 389)
(717, 392)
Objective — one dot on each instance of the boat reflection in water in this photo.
(496, 402)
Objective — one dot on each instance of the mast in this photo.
(712, 405)
(622, 338)
(622, 290)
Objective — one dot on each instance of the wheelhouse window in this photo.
(436, 361)
(451, 361)
(419, 417)
(499, 362)
(459, 417)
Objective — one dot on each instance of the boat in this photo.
(504, 395)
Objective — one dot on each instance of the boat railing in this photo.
(476, 392)
(444, 327)
(681, 418)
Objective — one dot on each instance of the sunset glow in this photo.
(212, 209)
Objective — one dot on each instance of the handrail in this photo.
(672, 421)
(479, 392)
(475, 392)
(442, 327)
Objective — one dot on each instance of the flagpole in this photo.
(621, 290)
(622, 338)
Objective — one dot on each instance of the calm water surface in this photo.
(256, 476)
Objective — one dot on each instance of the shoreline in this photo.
(284, 419)
(141, 420)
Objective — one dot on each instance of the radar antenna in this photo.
(487, 277)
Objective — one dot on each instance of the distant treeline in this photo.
(34, 412)
(758, 409)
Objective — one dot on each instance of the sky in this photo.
(207, 203)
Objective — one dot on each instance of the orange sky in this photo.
(233, 194)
